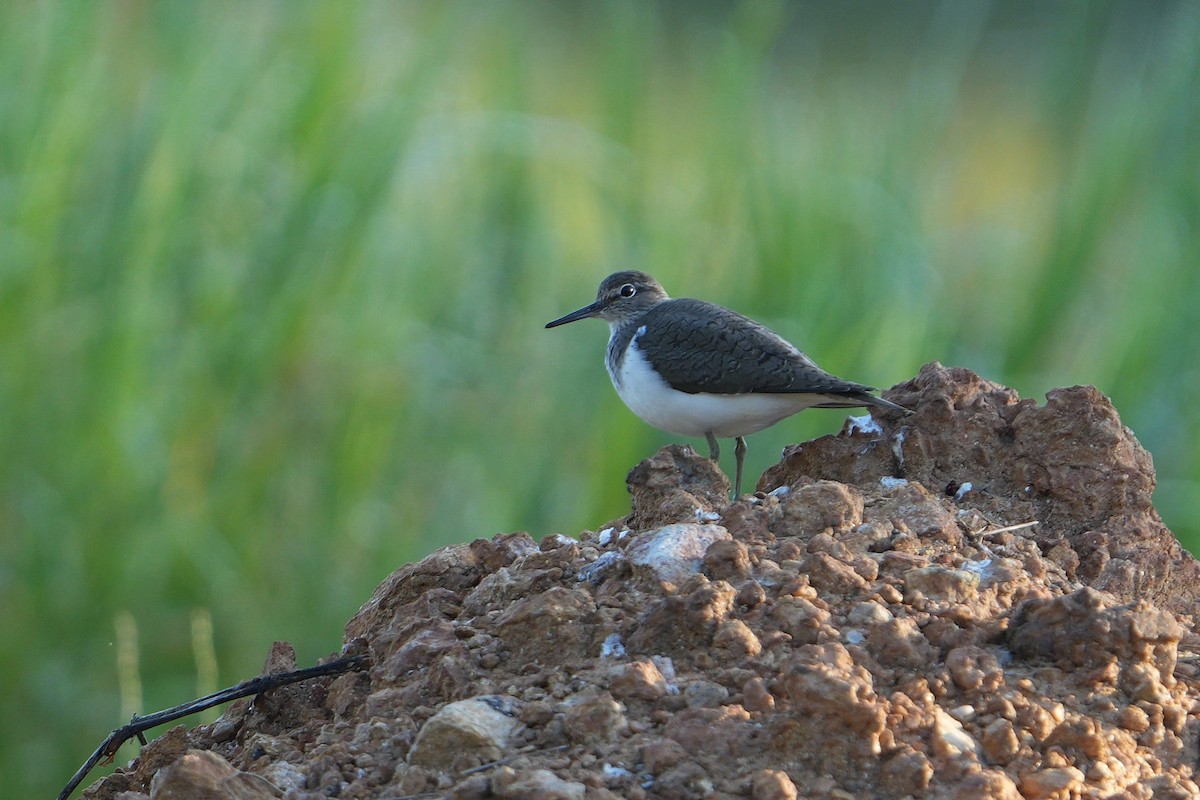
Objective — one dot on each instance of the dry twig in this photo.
(140, 724)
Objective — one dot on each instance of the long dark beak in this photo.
(583, 313)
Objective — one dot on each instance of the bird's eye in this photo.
(628, 290)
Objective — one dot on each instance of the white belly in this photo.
(723, 415)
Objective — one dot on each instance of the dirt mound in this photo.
(878, 621)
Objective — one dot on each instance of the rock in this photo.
(835, 694)
(727, 559)
(674, 553)
(705, 694)
(594, 719)
(737, 639)
(449, 568)
(899, 642)
(535, 784)
(973, 668)
(285, 776)
(989, 784)
(1088, 629)
(723, 729)
(912, 509)
(831, 576)
(549, 626)
(610, 564)
(480, 727)
(868, 614)
(685, 779)
(662, 754)
(772, 784)
(802, 620)
(948, 740)
(638, 680)
(944, 585)
(422, 648)
(676, 484)
(204, 775)
(683, 625)
(1134, 719)
(1056, 781)
(817, 507)
(906, 773)
(999, 741)
(756, 697)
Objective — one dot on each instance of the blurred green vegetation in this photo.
(273, 277)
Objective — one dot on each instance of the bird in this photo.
(694, 368)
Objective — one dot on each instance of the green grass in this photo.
(273, 276)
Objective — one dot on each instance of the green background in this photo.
(273, 278)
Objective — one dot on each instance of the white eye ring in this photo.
(628, 290)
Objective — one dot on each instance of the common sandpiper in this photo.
(696, 369)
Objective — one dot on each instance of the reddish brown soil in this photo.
(863, 626)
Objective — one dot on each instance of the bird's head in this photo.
(621, 296)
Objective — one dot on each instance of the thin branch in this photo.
(263, 683)
(1008, 528)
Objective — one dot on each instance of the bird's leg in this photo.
(714, 449)
(739, 451)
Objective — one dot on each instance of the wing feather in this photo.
(701, 347)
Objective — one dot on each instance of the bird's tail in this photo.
(860, 400)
